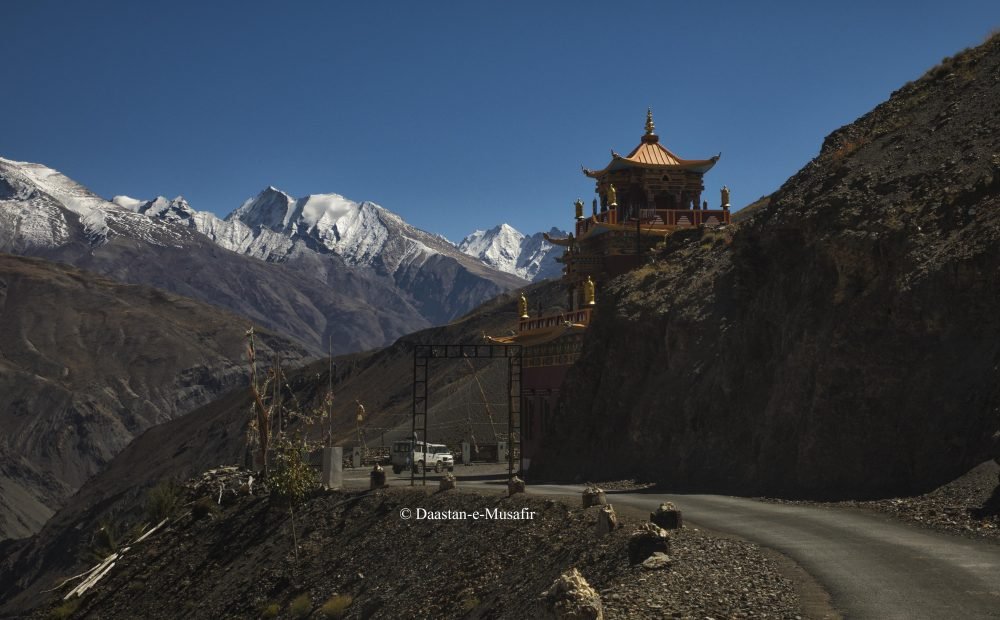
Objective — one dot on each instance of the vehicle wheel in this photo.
(396, 469)
(437, 467)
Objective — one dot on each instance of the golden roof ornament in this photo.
(612, 196)
(650, 136)
(522, 307)
(588, 292)
(579, 208)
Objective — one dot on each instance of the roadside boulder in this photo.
(447, 482)
(515, 485)
(666, 516)
(570, 597)
(607, 520)
(377, 477)
(594, 496)
(646, 540)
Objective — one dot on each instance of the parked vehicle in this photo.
(406, 455)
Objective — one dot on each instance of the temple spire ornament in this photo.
(650, 136)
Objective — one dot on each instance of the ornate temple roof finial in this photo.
(650, 136)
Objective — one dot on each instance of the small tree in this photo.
(291, 478)
(260, 422)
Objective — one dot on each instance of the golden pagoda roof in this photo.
(651, 154)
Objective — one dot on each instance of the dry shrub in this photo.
(65, 610)
(337, 606)
(162, 500)
(301, 606)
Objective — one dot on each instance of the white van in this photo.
(435, 456)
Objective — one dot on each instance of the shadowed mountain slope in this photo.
(842, 341)
(87, 364)
(215, 434)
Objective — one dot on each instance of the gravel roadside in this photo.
(356, 547)
(968, 506)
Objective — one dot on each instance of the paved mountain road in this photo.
(872, 566)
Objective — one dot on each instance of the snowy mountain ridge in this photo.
(271, 226)
(505, 248)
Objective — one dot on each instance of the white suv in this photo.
(435, 456)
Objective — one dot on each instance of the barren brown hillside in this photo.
(841, 342)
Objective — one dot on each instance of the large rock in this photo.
(607, 520)
(666, 516)
(646, 540)
(570, 597)
(594, 496)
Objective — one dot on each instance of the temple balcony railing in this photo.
(679, 218)
(580, 317)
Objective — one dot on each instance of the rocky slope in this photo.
(322, 269)
(216, 434)
(842, 341)
(358, 557)
(86, 365)
(505, 248)
(968, 506)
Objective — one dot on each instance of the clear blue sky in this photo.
(456, 115)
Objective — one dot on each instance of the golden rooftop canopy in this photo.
(651, 154)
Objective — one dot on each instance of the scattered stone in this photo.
(247, 487)
(223, 485)
(594, 496)
(570, 597)
(657, 561)
(666, 516)
(607, 520)
(447, 483)
(646, 540)
(377, 477)
(515, 485)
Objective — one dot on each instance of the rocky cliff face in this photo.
(843, 341)
(86, 365)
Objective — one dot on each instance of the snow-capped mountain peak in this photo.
(175, 210)
(503, 247)
(28, 178)
(327, 222)
(132, 204)
(271, 208)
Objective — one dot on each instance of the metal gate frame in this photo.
(423, 353)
